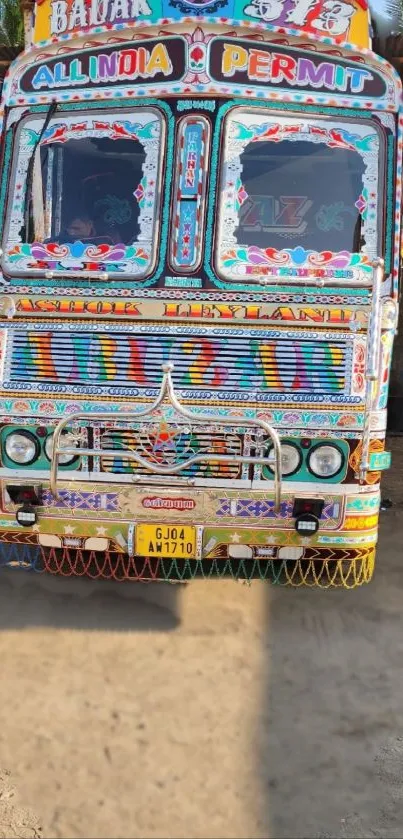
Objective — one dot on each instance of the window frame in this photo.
(229, 281)
(87, 113)
(200, 198)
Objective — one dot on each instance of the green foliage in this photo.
(11, 24)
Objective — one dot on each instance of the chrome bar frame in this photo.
(315, 282)
(372, 363)
(319, 282)
(167, 393)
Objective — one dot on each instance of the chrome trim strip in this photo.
(372, 363)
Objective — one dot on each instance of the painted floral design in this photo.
(359, 368)
(117, 130)
(277, 132)
(80, 256)
(197, 41)
(245, 258)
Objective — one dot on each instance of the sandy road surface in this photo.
(16, 822)
(261, 712)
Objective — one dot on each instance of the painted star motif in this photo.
(235, 537)
(270, 540)
(101, 531)
(68, 529)
(165, 433)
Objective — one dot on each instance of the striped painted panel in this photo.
(119, 360)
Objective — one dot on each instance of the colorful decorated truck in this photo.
(200, 210)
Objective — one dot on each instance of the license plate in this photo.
(166, 540)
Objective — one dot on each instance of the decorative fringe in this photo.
(20, 555)
(321, 573)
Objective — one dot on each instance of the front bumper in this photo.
(90, 530)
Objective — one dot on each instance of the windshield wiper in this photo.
(30, 170)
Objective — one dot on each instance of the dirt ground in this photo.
(15, 820)
(215, 710)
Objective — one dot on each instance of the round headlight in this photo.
(21, 447)
(66, 442)
(325, 461)
(291, 459)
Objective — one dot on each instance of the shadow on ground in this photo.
(76, 603)
(330, 737)
(269, 712)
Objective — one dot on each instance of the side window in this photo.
(189, 193)
(296, 192)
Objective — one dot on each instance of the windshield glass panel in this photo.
(88, 200)
(296, 192)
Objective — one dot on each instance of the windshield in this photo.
(294, 188)
(90, 200)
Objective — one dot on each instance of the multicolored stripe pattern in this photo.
(269, 361)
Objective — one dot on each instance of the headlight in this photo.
(65, 441)
(325, 461)
(291, 459)
(21, 447)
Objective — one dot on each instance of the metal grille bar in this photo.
(58, 359)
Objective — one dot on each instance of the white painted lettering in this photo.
(119, 10)
(58, 20)
(78, 15)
